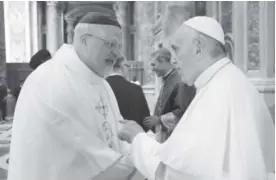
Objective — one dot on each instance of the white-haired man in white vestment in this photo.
(227, 132)
(67, 118)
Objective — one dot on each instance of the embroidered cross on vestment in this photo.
(101, 108)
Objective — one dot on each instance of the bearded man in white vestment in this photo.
(67, 118)
(227, 132)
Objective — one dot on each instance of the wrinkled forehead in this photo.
(106, 32)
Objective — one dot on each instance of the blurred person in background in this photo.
(8, 106)
(3, 94)
(18, 89)
(174, 97)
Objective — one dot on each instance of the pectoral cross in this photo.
(103, 109)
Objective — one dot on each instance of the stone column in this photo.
(240, 34)
(267, 39)
(34, 27)
(70, 30)
(212, 9)
(54, 35)
(122, 16)
(40, 24)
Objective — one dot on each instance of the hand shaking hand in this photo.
(151, 121)
(129, 130)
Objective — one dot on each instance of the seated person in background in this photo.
(40, 57)
(130, 97)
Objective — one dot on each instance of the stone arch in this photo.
(72, 17)
(229, 45)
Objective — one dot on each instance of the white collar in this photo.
(68, 56)
(114, 74)
(208, 74)
(168, 73)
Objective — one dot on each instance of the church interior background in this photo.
(29, 26)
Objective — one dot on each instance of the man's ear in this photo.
(83, 46)
(83, 40)
(198, 46)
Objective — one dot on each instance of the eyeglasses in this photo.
(114, 47)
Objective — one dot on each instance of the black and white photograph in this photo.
(137, 90)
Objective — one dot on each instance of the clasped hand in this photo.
(151, 121)
(129, 130)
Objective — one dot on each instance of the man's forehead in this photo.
(110, 31)
(106, 32)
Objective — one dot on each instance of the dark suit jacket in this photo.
(17, 92)
(131, 99)
(3, 94)
(175, 96)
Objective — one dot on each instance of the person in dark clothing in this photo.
(174, 98)
(3, 94)
(8, 106)
(39, 58)
(130, 97)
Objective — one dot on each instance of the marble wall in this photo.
(253, 35)
(226, 16)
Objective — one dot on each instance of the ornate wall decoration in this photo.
(253, 36)
(16, 23)
(176, 15)
(226, 19)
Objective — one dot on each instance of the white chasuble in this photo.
(227, 133)
(66, 124)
